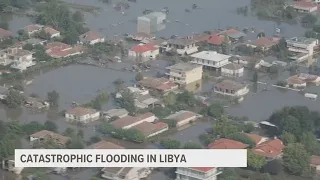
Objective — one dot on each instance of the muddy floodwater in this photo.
(80, 83)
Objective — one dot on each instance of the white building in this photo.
(91, 37)
(82, 115)
(232, 70)
(302, 45)
(144, 51)
(22, 59)
(120, 113)
(151, 23)
(231, 88)
(184, 73)
(125, 173)
(182, 46)
(197, 173)
(183, 117)
(52, 32)
(210, 59)
(128, 122)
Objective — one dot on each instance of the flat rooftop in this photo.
(210, 56)
(183, 67)
(301, 40)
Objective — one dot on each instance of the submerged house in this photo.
(183, 117)
(231, 88)
(182, 46)
(36, 103)
(82, 115)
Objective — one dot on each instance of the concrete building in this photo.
(182, 46)
(120, 113)
(210, 59)
(45, 135)
(128, 122)
(22, 59)
(231, 88)
(91, 37)
(302, 45)
(183, 117)
(184, 73)
(82, 115)
(125, 173)
(151, 129)
(151, 23)
(52, 32)
(32, 28)
(271, 149)
(232, 70)
(144, 51)
(162, 85)
(197, 173)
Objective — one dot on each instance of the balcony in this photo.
(174, 74)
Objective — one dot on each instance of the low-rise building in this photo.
(183, 117)
(35, 41)
(224, 143)
(128, 122)
(119, 113)
(105, 145)
(231, 88)
(304, 6)
(22, 59)
(301, 80)
(184, 73)
(35, 103)
(82, 115)
(52, 32)
(9, 165)
(296, 82)
(145, 101)
(265, 43)
(91, 37)
(210, 59)
(61, 50)
(182, 46)
(46, 135)
(215, 40)
(315, 163)
(232, 70)
(144, 51)
(302, 45)
(233, 34)
(125, 173)
(162, 85)
(5, 34)
(197, 173)
(141, 36)
(32, 29)
(271, 149)
(151, 129)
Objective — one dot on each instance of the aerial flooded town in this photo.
(148, 74)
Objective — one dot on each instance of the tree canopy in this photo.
(296, 159)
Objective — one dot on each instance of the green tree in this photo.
(192, 145)
(265, 176)
(127, 101)
(170, 99)
(248, 127)
(78, 16)
(139, 76)
(28, 47)
(215, 110)
(170, 144)
(310, 142)
(242, 138)
(296, 159)
(14, 99)
(53, 98)
(23, 35)
(255, 161)
(206, 139)
(288, 138)
(96, 105)
(171, 122)
(273, 167)
(75, 143)
(94, 139)
(32, 127)
(50, 126)
(69, 132)
(224, 127)
(80, 133)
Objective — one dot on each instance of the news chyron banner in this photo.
(130, 158)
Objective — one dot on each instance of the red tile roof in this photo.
(128, 120)
(230, 32)
(304, 4)
(215, 39)
(141, 48)
(32, 28)
(227, 144)
(264, 42)
(202, 169)
(57, 46)
(5, 33)
(50, 30)
(270, 149)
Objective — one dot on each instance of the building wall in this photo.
(238, 93)
(159, 132)
(97, 41)
(186, 121)
(194, 75)
(187, 174)
(55, 35)
(208, 63)
(148, 54)
(232, 73)
(84, 118)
